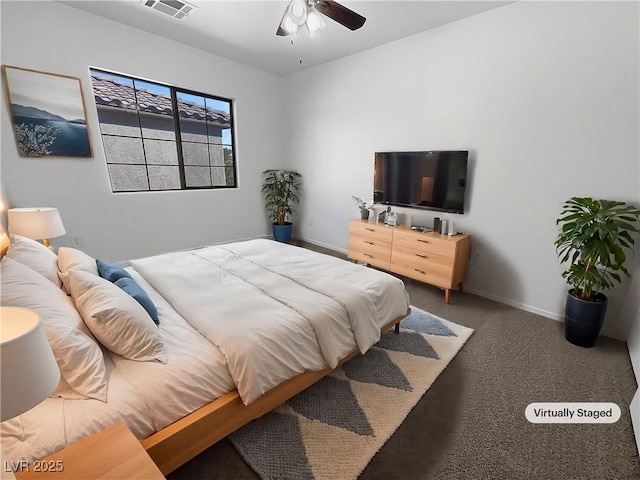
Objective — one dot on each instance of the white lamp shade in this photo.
(4, 240)
(36, 223)
(29, 372)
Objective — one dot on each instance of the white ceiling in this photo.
(244, 31)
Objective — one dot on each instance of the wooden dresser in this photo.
(429, 257)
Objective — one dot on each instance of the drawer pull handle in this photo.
(421, 256)
(420, 271)
(368, 243)
(367, 255)
(369, 229)
(421, 240)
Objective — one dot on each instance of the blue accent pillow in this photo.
(111, 271)
(130, 286)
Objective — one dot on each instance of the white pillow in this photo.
(77, 354)
(116, 319)
(74, 259)
(35, 256)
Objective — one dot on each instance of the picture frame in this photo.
(48, 113)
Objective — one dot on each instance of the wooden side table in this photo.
(114, 453)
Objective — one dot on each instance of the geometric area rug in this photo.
(334, 428)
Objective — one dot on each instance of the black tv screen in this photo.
(434, 180)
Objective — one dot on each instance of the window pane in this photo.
(123, 149)
(195, 154)
(197, 176)
(128, 178)
(193, 124)
(164, 177)
(218, 176)
(156, 110)
(216, 156)
(116, 104)
(160, 152)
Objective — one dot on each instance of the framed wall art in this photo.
(48, 113)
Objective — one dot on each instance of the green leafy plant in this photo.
(594, 236)
(281, 189)
(361, 204)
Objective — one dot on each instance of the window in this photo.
(158, 137)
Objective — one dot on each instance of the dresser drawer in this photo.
(424, 260)
(425, 242)
(436, 269)
(371, 230)
(374, 252)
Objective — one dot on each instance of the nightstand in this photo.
(114, 453)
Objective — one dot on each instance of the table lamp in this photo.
(29, 372)
(38, 223)
(4, 241)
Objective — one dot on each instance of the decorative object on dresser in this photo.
(593, 237)
(281, 189)
(363, 206)
(429, 257)
(38, 223)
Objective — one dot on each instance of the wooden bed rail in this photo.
(181, 441)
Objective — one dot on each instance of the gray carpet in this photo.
(470, 424)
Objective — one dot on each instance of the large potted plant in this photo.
(281, 189)
(594, 237)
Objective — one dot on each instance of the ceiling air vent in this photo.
(175, 8)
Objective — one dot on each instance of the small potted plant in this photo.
(594, 237)
(363, 206)
(281, 189)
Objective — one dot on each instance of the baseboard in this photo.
(634, 408)
(521, 306)
(324, 245)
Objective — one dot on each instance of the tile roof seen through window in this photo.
(112, 93)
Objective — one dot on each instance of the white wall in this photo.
(55, 38)
(545, 96)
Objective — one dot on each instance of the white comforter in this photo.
(275, 310)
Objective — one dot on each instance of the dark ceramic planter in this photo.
(583, 319)
(364, 214)
(282, 233)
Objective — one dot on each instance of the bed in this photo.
(241, 328)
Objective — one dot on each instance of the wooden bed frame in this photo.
(179, 442)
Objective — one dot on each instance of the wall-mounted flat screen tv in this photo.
(432, 180)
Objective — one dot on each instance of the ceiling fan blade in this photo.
(340, 14)
(281, 32)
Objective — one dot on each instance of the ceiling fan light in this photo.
(288, 26)
(297, 12)
(315, 23)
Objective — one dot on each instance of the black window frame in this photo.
(174, 92)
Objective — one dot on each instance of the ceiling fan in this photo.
(301, 12)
